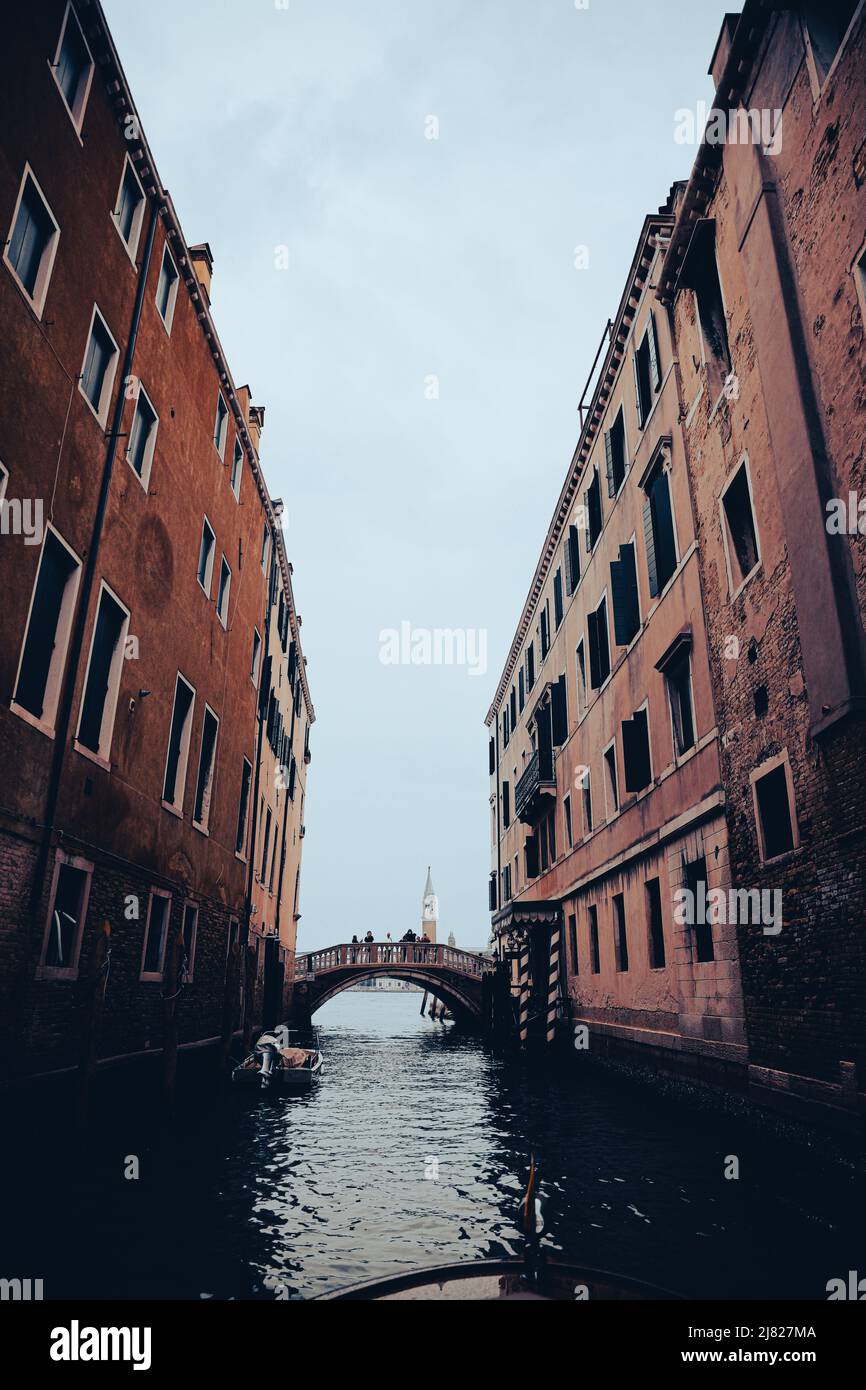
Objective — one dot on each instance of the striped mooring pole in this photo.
(553, 984)
(523, 983)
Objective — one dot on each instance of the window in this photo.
(530, 666)
(678, 679)
(256, 660)
(506, 728)
(715, 348)
(506, 883)
(155, 933)
(586, 794)
(531, 856)
(656, 926)
(128, 211)
(513, 708)
(190, 932)
(636, 751)
(237, 468)
(220, 429)
(647, 372)
(491, 893)
(581, 678)
(599, 646)
(166, 289)
(551, 836)
(620, 939)
(774, 809)
(572, 938)
(205, 557)
(243, 807)
(491, 752)
(73, 67)
(102, 683)
(544, 630)
(67, 912)
(594, 519)
(142, 438)
(266, 548)
(615, 457)
(559, 712)
(826, 23)
(99, 366)
(738, 525)
(557, 598)
(223, 592)
(32, 242)
(506, 805)
(624, 595)
(658, 530)
(265, 843)
(696, 883)
(594, 954)
(566, 806)
(521, 689)
(43, 655)
(572, 560)
(207, 757)
(179, 736)
(611, 788)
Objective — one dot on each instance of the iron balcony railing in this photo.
(537, 774)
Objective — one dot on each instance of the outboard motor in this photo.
(269, 1047)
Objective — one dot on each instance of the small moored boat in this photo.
(284, 1060)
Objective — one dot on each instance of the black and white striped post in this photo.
(523, 990)
(553, 983)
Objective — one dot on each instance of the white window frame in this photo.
(188, 903)
(219, 441)
(743, 462)
(58, 972)
(147, 461)
(237, 459)
(130, 247)
(176, 807)
(61, 643)
(757, 775)
(206, 591)
(155, 975)
(172, 296)
(204, 825)
(256, 662)
(681, 757)
(46, 265)
(109, 710)
(223, 598)
(4, 479)
(611, 810)
(100, 415)
(76, 117)
(858, 270)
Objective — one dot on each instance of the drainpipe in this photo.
(62, 730)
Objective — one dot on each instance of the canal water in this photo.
(413, 1150)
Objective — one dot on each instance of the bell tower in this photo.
(429, 909)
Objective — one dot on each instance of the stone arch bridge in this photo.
(457, 978)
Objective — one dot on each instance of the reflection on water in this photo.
(413, 1150)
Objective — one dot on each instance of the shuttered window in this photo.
(624, 595)
(31, 239)
(615, 454)
(559, 712)
(636, 752)
(557, 598)
(572, 560)
(47, 630)
(103, 676)
(178, 743)
(593, 511)
(531, 855)
(658, 531)
(506, 805)
(599, 646)
(647, 372)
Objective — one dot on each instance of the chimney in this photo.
(722, 50)
(257, 424)
(202, 264)
(244, 396)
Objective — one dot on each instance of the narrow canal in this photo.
(413, 1150)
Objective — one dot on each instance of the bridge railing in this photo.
(385, 953)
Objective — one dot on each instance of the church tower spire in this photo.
(429, 909)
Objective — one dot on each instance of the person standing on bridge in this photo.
(388, 946)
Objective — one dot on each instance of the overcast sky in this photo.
(306, 128)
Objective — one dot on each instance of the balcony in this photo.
(535, 792)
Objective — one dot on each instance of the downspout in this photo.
(62, 728)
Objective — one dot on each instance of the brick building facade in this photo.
(129, 696)
(739, 633)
